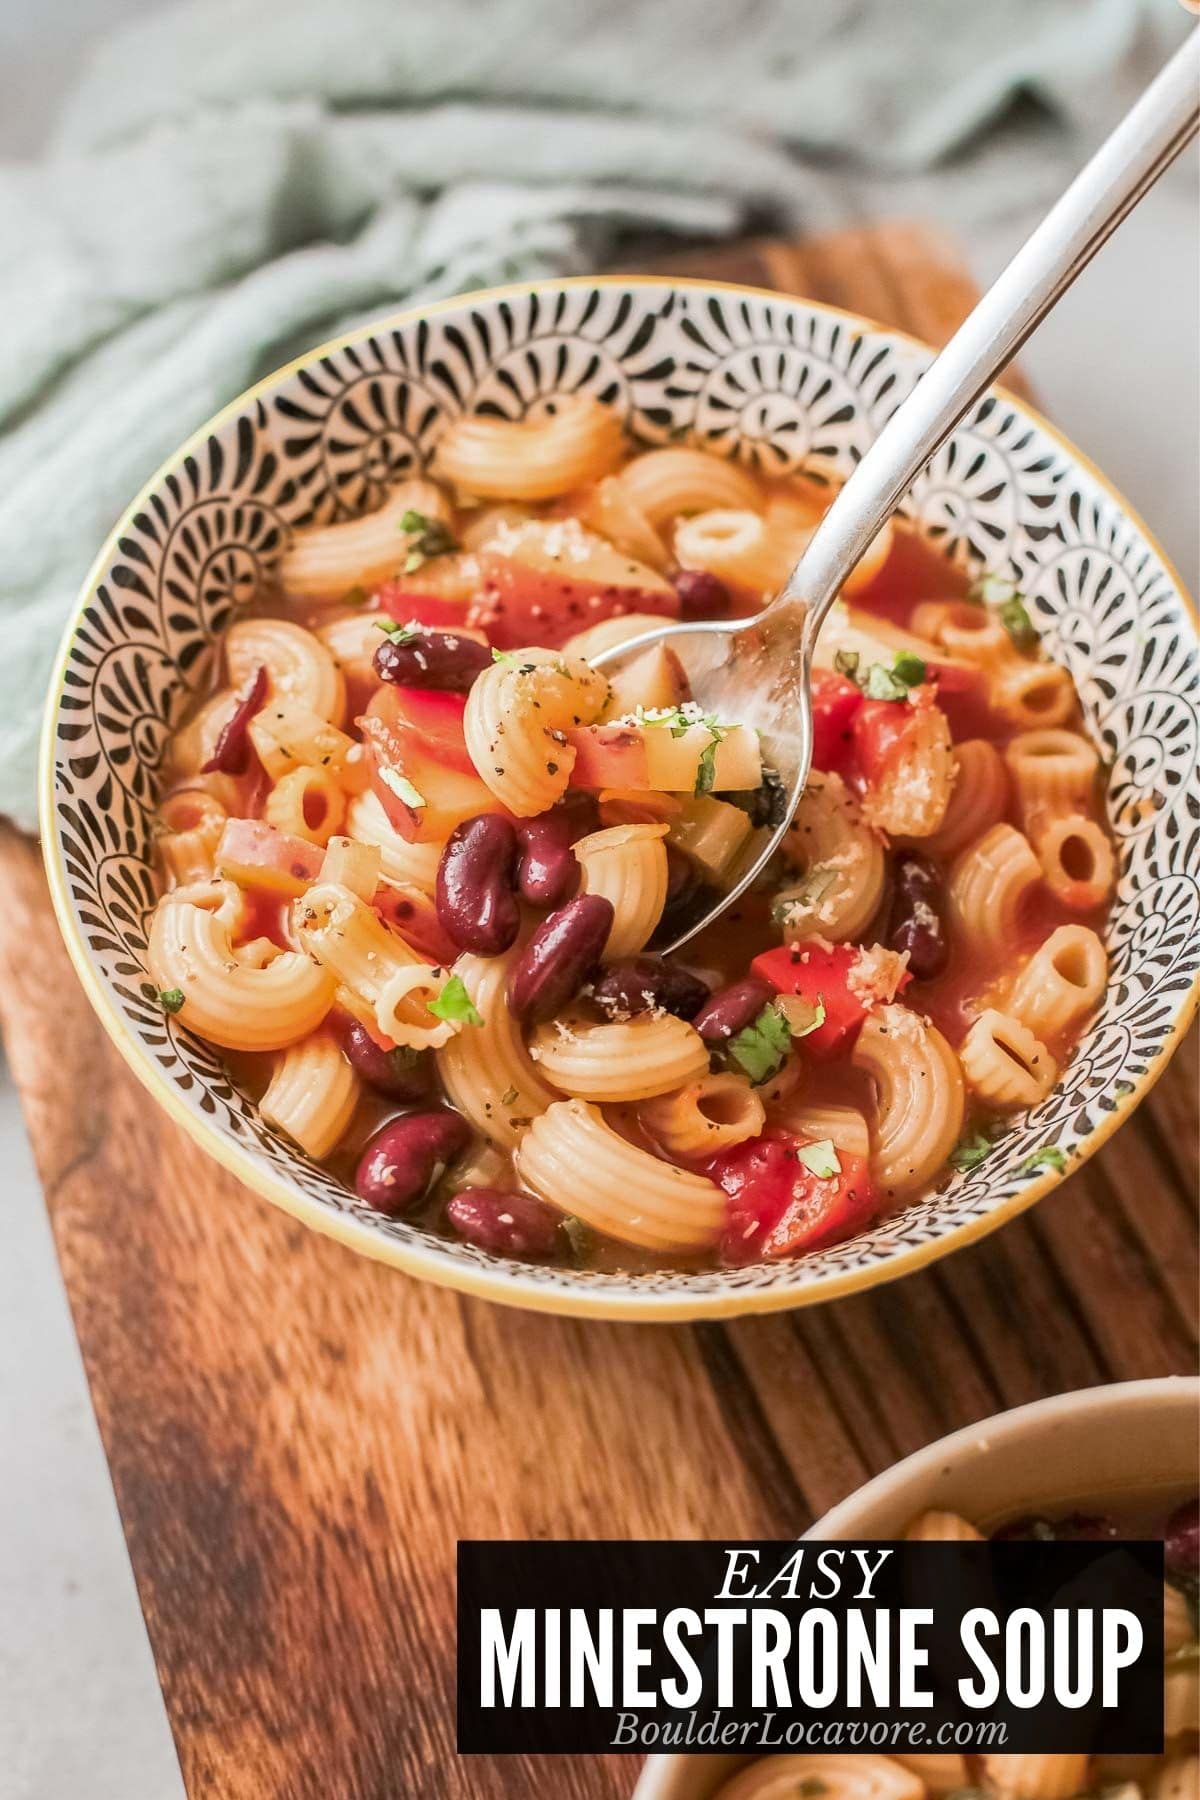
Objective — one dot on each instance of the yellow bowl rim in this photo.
(506, 1284)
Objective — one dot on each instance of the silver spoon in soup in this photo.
(758, 671)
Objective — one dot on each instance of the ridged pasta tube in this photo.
(627, 865)
(1005, 1064)
(232, 1003)
(919, 1101)
(844, 1126)
(487, 1071)
(306, 803)
(299, 666)
(630, 1059)
(578, 1163)
(1078, 864)
(1028, 693)
(841, 860)
(312, 1094)
(978, 799)
(531, 459)
(1061, 983)
(518, 714)
(194, 820)
(989, 885)
(408, 864)
(362, 552)
(341, 933)
(704, 1117)
(662, 484)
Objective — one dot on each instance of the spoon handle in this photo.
(1147, 140)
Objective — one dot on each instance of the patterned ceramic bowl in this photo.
(777, 382)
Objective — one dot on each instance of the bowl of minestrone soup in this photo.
(364, 863)
(1109, 1462)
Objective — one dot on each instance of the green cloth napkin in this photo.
(233, 180)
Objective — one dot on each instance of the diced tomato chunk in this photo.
(778, 1207)
(817, 973)
(414, 740)
(413, 914)
(835, 702)
(523, 605)
(885, 729)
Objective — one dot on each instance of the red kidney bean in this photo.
(701, 595)
(476, 903)
(401, 1073)
(915, 922)
(398, 1163)
(509, 1224)
(641, 982)
(559, 958)
(548, 873)
(432, 659)
(732, 1008)
(231, 754)
(1181, 1539)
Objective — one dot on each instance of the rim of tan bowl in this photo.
(507, 1285)
(919, 1481)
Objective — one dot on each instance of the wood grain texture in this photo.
(297, 1436)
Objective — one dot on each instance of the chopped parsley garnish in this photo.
(578, 1236)
(170, 999)
(706, 768)
(502, 656)
(508, 1096)
(969, 1152)
(402, 787)
(399, 634)
(820, 1158)
(811, 1788)
(455, 1003)
(1048, 1157)
(1016, 621)
(355, 596)
(762, 1048)
(430, 537)
(877, 681)
(907, 671)
(1005, 599)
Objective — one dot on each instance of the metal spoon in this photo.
(758, 671)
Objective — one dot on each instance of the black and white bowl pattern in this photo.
(779, 383)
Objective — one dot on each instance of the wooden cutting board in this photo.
(297, 1436)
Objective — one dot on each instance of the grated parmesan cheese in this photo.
(876, 973)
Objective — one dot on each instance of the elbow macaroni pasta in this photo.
(627, 865)
(978, 799)
(578, 1163)
(663, 484)
(919, 1104)
(706, 1116)
(232, 1003)
(990, 884)
(630, 1059)
(842, 861)
(361, 552)
(518, 713)
(531, 459)
(488, 1072)
(300, 668)
(312, 1094)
